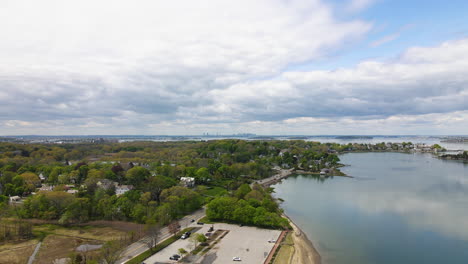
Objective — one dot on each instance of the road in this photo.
(140, 246)
(282, 173)
(33, 256)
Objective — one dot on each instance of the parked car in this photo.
(193, 220)
(186, 235)
(236, 259)
(174, 257)
(200, 223)
(271, 241)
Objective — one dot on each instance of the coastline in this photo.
(304, 250)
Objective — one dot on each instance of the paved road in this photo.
(282, 173)
(33, 256)
(163, 255)
(139, 247)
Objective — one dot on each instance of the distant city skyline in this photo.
(268, 67)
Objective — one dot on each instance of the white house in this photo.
(187, 181)
(119, 190)
(15, 199)
(41, 176)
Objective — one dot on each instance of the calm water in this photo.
(400, 208)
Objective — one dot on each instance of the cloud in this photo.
(359, 5)
(422, 81)
(184, 66)
(385, 39)
(391, 37)
(68, 60)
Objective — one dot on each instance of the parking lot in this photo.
(250, 244)
(163, 255)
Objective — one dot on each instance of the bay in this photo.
(399, 208)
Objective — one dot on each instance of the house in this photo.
(14, 199)
(41, 176)
(46, 188)
(105, 184)
(72, 191)
(187, 181)
(119, 190)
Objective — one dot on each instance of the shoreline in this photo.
(304, 250)
(283, 174)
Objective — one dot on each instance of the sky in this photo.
(272, 67)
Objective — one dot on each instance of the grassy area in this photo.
(57, 246)
(206, 246)
(285, 251)
(216, 241)
(60, 242)
(17, 253)
(140, 258)
(206, 220)
(84, 232)
(215, 191)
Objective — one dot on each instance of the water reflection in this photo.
(413, 203)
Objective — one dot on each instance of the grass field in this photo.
(286, 251)
(17, 253)
(215, 191)
(85, 232)
(58, 242)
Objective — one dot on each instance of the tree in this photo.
(157, 184)
(153, 231)
(202, 176)
(174, 227)
(221, 208)
(193, 242)
(242, 191)
(113, 250)
(201, 238)
(137, 175)
(182, 251)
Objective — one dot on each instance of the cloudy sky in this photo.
(265, 66)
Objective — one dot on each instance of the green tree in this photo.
(202, 176)
(137, 175)
(242, 191)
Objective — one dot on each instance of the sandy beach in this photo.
(304, 250)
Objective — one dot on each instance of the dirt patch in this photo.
(56, 247)
(17, 253)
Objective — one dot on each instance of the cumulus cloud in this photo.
(178, 65)
(64, 60)
(422, 81)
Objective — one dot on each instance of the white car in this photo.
(236, 259)
(271, 241)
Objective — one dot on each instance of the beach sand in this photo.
(304, 250)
